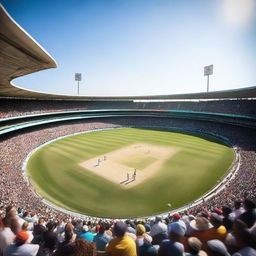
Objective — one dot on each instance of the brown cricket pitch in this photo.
(112, 167)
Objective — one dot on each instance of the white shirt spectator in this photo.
(158, 228)
(6, 238)
(180, 222)
(236, 213)
(23, 250)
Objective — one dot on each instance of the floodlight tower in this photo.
(78, 78)
(208, 70)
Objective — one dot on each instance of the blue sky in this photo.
(140, 47)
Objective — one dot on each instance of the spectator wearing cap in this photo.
(121, 245)
(158, 231)
(20, 247)
(249, 216)
(177, 218)
(216, 248)
(200, 228)
(101, 239)
(141, 234)
(173, 246)
(86, 234)
(194, 247)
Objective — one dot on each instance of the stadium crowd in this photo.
(23, 107)
(221, 232)
(214, 227)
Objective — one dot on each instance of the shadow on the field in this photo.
(122, 182)
(129, 181)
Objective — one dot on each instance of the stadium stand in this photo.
(20, 107)
(222, 224)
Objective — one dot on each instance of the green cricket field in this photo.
(128, 172)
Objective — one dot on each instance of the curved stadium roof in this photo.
(20, 55)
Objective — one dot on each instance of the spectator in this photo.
(147, 249)
(158, 231)
(144, 242)
(249, 216)
(20, 247)
(172, 246)
(238, 209)
(218, 231)
(194, 247)
(216, 248)
(60, 229)
(6, 235)
(39, 231)
(201, 228)
(177, 218)
(69, 227)
(108, 231)
(13, 219)
(121, 245)
(66, 247)
(25, 227)
(86, 234)
(83, 248)
(245, 241)
(101, 239)
(228, 219)
(26, 217)
(140, 232)
(50, 240)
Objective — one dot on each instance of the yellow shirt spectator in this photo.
(121, 246)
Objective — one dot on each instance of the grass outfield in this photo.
(197, 166)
